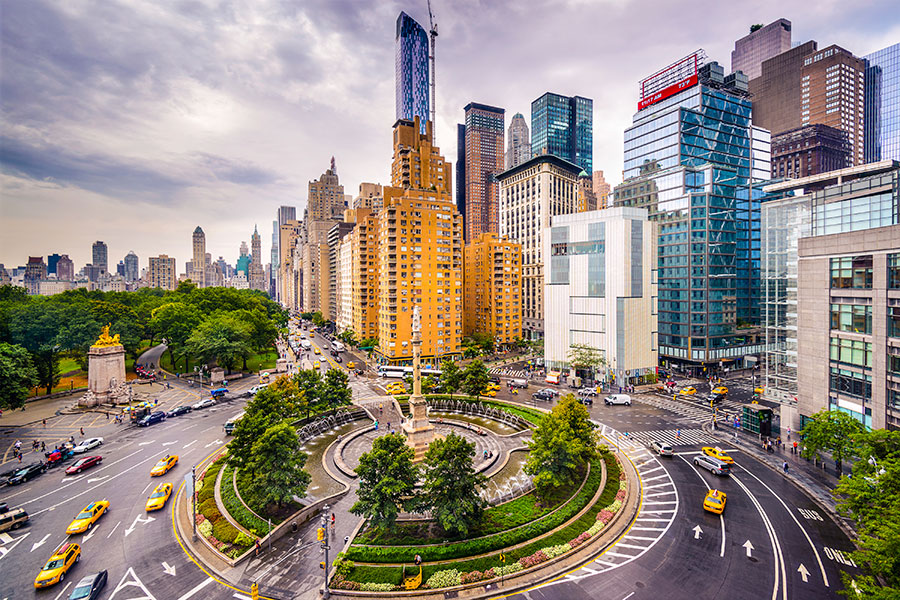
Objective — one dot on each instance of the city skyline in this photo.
(121, 141)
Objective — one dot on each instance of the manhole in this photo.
(754, 559)
(639, 584)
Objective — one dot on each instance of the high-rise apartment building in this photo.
(492, 282)
(564, 126)
(484, 159)
(289, 237)
(832, 92)
(530, 194)
(65, 268)
(162, 272)
(364, 277)
(518, 148)
(326, 197)
(325, 207)
(693, 159)
(35, 273)
(285, 214)
(197, 273)
(344, 317)
(882, 99)
(132, 268)
(257, 271)
(461, 169)
(100, 256)
(336, 235)
(242, 264)
(762, 43)
(411, 69)
(371, 196)
(602, 190)
(809, 151)
(776, 91)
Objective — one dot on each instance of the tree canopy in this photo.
(17, 375)
(387, 482)
(834, 431)
(475, 378)
(451, 485)
(277, 462)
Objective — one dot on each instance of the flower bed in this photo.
(211, 524)
(235, 507)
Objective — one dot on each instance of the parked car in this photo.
(618, 399)
(544, 394)
(88, 444)
(13, 519)
(662, 448)
(25, 473)
(204, 403)
(83, 464)
(152, 418)
(89, 587)
(178, 410)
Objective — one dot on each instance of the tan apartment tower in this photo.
(492, 279)
(198, 263)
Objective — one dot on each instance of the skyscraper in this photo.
(461, 169)
(411, 70)
(484, 160)
(51, 263)
(132, 270)
(162, 272)
(882, 99)
(257, 273)
(602, 189)
(326, 196)
(762, 43)
(198, 263)
(518, 148)
(563, 126)
(776, 91)
(100, 256)
(65, 268)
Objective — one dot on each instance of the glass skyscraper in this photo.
(411, 70)
(564, 126)
(693, 158)
(883, 104)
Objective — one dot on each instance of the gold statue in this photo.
(106, 340)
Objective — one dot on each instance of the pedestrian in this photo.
(20, 456)
(45, 423)
(785, 467)
(677, 434)
(795, 448)
(376, 425)
(735, 436)
(332, 521)
(82, 433)
(43, 447)
(257, 546)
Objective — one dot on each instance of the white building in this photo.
(344, 277)
(530, 194)
(600, 291)
(52, 286)
(239, 281)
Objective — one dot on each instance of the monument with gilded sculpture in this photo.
(106, 372)
(419, 432)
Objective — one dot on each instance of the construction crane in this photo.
(433, 34)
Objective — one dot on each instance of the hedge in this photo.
(222, 534)
(236, 509)
(529, 414)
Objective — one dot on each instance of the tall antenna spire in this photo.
(434, 34)
(333, 167)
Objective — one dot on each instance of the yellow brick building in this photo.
(493, 288)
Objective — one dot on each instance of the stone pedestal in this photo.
(419, 432)
(217, 376)
(106, 376)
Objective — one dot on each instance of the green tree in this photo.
(246, 432)
(451, 485)
(451, 377)
(277, 462)
(560, 447)
(317, 319)
(348, 336)
(475, 378)
(309, 381)
(263, 330)
(387, 482)
(369, 342)
(834, 431)
(335, 389)
(428, 384)
(78, 330)
(35, 326)
(17, 375)
(222, 339)
(582, 356)
(174, 322)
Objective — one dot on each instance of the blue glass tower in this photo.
(411, 70)
(564, 126)
(882, 118)
(693, 158)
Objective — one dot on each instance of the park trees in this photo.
(220, 338)
(387, 482)
(451, 486)
(834, 431)
(17, 375)
(582, 356)
(475, 378)
(35, 326)
(276, 462)
(451, 377)
(309, 381)
(335, 389)
(175, 322)
(562, 444)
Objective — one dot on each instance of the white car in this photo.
(87, 444)
(256, 388)
(204, 403)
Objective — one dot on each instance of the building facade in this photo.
(602, 190)
(371, 196)
(809, 151)
(882, 99)
(518, 148)
(197, 273)
(587, 199)
(776, 91)
(100, 256)
(257, 272)
(461, 169)
(364, 277)
(530, 194)
(492, 284)
(484, 159)
(762, 43)
(564, 126)
(289, 236)
(65, 268)
(35, 273)
(600, 292)
(411, 69)
(162, 272)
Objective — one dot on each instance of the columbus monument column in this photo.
(419, 432)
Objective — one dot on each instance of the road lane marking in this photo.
(19, 493)
(4, 550)
(113, 529)
(773, 538)
(62, 591)
(189, 445)
(40, 543)
(196, 589)
(133, 582)
(147, 443)
(144, 491)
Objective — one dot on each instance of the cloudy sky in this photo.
(134, 122)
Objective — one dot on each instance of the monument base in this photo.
(419, 432)
(106, 377)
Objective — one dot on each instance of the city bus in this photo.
(401, 372)
(230, 423)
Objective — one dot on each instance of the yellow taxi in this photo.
(164, 465)
(759, 390)
(395, 386)
(714, 501)
(717, 453)
(317, 351)
(86, 518)
(397, 391)
(351, 365)
(56, 568)
(489, 392)
(492, 385)
(159, 497)
(689, 390)
(317, 364)
(720, 390)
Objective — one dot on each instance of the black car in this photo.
(547, 395)
(25, 473)
(152, 418)
(178, 410)
(89, 587)
(494, 378)
(716, 398)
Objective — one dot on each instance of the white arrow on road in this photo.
(697, 531)
(749, 547)
(89, 535)
(40, 543)
(94, 479)
(804, 572)
(146, 443)
(137, 520)
(169, 570)
(217, 442)
(4, 550)
(169, 443)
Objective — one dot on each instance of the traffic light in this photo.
(322, 565)
(320, 534)
(254, 591)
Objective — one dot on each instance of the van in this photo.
(218, 393)
(713, 465)
(305, 345)
(519, 383)
(13, 519)
(618, 399)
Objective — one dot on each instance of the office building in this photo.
(530, 194)
(492, 283)
(132, 270)
(35, 273)
(602, 190)
(51, 264)
(100, 256)
(197, 272)
(518, 148)
(120, 268)
(587, 199)
(326, 197)
(162, 272)
(809, 151)
(243, 262)
(600, 292)
(776, 92)
(693, 159)
(411, 70)
(461, 169)
(65, 268)
(325, 207)
(563, 126)
(371, 196)
(257, 272)
(484, 159)
(882, 102)
(762, 43)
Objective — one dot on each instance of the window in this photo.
(851, 272)
(893, 265)
(855, 318)
(851, 352)
(893, 321)
(850, 383)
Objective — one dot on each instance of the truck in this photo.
(337, 346)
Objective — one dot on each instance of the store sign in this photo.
(667, 92)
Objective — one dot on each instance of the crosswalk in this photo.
(694, 412)
(522, 373)
(673, 437)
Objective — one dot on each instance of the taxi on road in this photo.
(317, 365)
(717, 453)
(720, 390)
(759, 390)
(492, 385)
(396, 385)
(59, 564)
(489, 392)
(159, 497)
(689, 390)
(351, 365)
(714, 501)
(86, 518)
(317, 351)
(164, 465)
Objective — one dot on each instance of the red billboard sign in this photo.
(668, 91)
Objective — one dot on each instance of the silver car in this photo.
(662, 448)
(88, 444)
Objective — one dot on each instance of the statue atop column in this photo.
(419, 432)
(416, 320)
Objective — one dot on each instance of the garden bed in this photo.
(240, 513)
(529, 414)
(214, 527)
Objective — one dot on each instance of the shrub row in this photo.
(529, 414)
(210, 522)
(236, 509)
